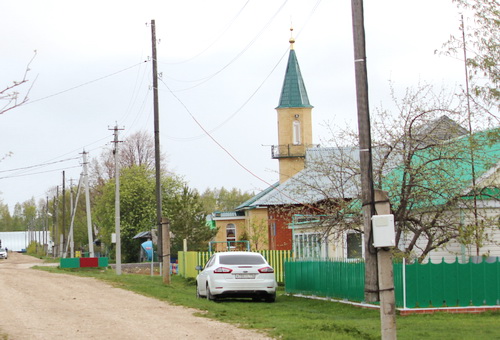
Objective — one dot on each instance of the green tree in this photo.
(188, 221)
(137, 209)
(480, 30)
(223, 199)
(5, 218)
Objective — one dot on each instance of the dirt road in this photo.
(40, 305)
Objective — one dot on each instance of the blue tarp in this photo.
(148, 249)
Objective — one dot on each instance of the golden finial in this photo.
(292, 40)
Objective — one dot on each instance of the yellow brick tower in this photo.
(294, 120)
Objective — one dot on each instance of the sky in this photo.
(221, 66)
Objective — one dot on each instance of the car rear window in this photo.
(241, 259)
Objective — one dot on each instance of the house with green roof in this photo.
(446, 199)
(444, 193)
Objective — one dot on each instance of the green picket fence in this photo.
(416, 285)
(452, 284)
(187, 261)
(328, 278)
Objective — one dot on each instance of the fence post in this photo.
(404, 282)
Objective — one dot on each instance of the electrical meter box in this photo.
(383, 231)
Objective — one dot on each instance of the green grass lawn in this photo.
(299, 318)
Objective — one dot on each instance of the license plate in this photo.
(244, 276)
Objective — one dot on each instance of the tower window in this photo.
(296, 132)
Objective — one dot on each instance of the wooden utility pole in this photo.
(162, 232)
(365, 149)
(118, 244)
(157, 142)
(56, 224)
(385, 276)
(165, 223)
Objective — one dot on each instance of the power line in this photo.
(39, 165)
(41, 172)
(84, 84)
(216, 39)
(236, 160)
(207, 78)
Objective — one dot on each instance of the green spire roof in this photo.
(293, 93)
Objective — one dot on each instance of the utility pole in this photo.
(385, 276)
(56, 224)
(159, 221)
(46, 227)
(87, 203)
(379, 280)
(166, 248)
(64, 211)
(71, 241)
(471, 142)
(365, 149)
(118, 256)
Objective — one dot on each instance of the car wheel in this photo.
(210, 297)
(271, 298)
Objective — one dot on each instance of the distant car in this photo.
(236, 274)
(3, 253)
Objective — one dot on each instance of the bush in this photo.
(35, 249)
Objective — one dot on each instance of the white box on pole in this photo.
(383, 231)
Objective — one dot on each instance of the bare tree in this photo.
(11, 96)
(136, 150)
(422, 157)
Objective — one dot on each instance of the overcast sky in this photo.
(221, 62)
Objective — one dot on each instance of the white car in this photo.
(236, 274)
(3, 253)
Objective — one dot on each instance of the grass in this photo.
(298, 318)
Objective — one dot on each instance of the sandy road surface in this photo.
(38, 305)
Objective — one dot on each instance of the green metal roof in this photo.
(248, 203)
(446, 168)
(293, 93)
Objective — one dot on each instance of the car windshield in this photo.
(241, 259)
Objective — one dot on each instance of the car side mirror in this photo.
(198, 268)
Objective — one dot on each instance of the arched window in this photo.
(231, 235)
(296, 132)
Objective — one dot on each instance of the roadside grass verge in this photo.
(298, 318)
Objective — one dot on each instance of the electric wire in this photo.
(215, 40)
(138, 84)
(237, 110)
(207, 78)
(84, 84)
(39, 165)
(235, 159)
(41, 172)
(23, 171)
(254, 93)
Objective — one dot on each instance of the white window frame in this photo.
(296, 133)
(362, 244)
(231, 226)
(309, 245)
